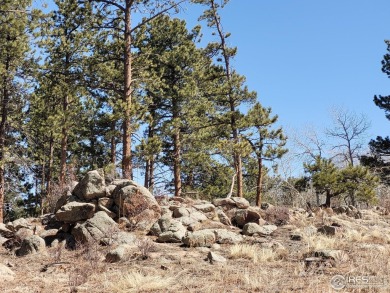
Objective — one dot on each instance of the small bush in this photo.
(145, 247)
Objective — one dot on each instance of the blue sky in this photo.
(304, 57)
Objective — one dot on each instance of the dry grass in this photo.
(136, 281)
(251, 267)
(254, 253)
(321, 242)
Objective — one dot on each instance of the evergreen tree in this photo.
(116, 16)
(171, 95)
(326, 178)
(13, 54)
(230, 92)
(380, 147)
(267, 144)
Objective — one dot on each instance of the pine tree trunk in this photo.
(3, 122)
(50, 166)
(147, 173)
(64, 145)
(259, 182)
(233, 122)
(328, 197)
(176, 163)
(43, 191)
(126, 159)
(113, 145)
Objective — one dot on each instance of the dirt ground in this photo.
(360, 258)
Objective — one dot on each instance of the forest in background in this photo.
(125, 86)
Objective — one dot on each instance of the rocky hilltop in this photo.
(107, 227)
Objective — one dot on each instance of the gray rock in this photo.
(75, 211)
(254, 229)
(24, 232)
(205, 208)
(165, 211)
(118, 254)
(106, 202)
(197, 216)
(212, 257)
(31, 244)
(91, 186)
(180, 212)
(223, 202)
(155, 230)
(17, 224)
(187, 221)
(111, 214)
(201, 238)
(224, 236)
(125, 238)
(110, 189)
(6, 274)
(244, 216)
(223, 218)
(94, 229)
(194, 226)
(49, 233)
(172, 231)
(241, 202)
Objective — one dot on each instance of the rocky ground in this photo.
(113, 236)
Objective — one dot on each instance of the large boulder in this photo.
(241, 202)
(201, 238)
(223, 218)
(255, 229)
(31, 244)
(91, 186)
(244, 216)
(223, 236)
(75, 211)
(205, 208)
(173, 234)
(98, 227)
(18, 224)
(119, 253)
(136, 203)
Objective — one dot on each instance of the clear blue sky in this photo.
(304, 57)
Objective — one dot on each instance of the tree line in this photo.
(125, 85)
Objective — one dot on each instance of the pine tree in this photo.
(230, 92)
(116, 16)
(171, 95)
(326, 178)
(267, 144)
(13, 53)
(380, 147)
(65, 42)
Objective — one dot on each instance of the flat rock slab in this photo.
(75, 211)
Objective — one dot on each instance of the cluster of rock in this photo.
(96, 208)
(225, 221)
